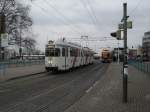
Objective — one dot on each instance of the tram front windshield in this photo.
(53, 52)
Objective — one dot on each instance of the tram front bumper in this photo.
(51, 68)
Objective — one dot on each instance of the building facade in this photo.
(115, 54)
(146, 46)
(132, 54)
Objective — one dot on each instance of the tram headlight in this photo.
(50, 62)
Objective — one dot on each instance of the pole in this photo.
(20, 49)
(87, 41)
(2, 30)
(85, 38)
(125, 64)
(0, 36)
(20, 40)
(118, 53)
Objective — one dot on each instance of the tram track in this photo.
(47, 106)
(61, 87)
(57, 86)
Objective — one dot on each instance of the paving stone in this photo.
(106, 96)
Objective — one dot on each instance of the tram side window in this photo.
(76, 52)
(71, 52)
(63, 51)
(67, 52)
(82, 53)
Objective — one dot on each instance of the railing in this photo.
(19, 63)
(142, 66)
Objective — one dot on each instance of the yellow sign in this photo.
(129, 24)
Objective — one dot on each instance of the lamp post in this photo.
(118, 53)
(2, 31)
(20, 39)
(125, 62)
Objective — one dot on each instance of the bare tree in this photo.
(16, 17)
(29, 44)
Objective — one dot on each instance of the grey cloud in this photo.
(108, 13)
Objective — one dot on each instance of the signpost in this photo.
(123, 27)
(4, 40)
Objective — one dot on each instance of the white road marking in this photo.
(89, 89)
(95, 83)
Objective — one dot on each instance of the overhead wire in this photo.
(65, 19)
(64, 22)
(62, 15)
(92, 15)
(133, 10)
(92, 11)
(88, 12)
(44, 12)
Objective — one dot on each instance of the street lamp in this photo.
(2, 31)
(20, 39)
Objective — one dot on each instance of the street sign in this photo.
(116, 34)
(4, 40)
(11, 41)
(129, 24)
(120, 26)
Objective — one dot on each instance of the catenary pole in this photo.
(125, 63)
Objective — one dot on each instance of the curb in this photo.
(24, 76)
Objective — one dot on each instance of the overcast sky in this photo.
(55, 19)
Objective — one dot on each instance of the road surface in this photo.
(49, 92)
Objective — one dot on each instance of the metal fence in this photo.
(19, 63)
(142, 66)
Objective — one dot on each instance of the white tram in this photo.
(62, 55)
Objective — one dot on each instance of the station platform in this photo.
(106, 94)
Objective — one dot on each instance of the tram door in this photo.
(65, 56)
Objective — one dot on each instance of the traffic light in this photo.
(116, 34)
(113, 34)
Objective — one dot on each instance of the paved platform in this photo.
(17, 72)
(106, 94)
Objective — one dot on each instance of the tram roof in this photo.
(69, 44)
